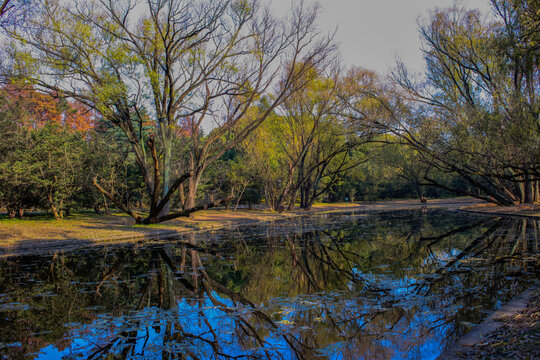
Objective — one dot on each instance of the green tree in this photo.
(35, 128)
(55, 165)
(477, 113)
(16, 192)
(189, 62)
(307, 146)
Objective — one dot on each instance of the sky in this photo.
(372, 33)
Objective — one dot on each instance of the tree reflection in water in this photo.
(392, 285)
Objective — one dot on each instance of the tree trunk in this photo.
(57, 211)
(420, 193)
(309, 198)
(182, 196)
(293, 199)
(352, 195)
(268, 199)
(193, 183)
(305, 199)
(106, 206)
(20, 211)
(521, 190)
(11, 212)
(166, 176)
(240, 197)
(529, 191)
(288, 186)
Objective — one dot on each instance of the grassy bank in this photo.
(93, 227)
(38, 232)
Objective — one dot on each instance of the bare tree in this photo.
(480, 98)
(12, 12)
(475, 114)
(184, 63)
(305, 50)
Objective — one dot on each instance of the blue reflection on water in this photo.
(205, 322)
(202, 321)
(369, 312)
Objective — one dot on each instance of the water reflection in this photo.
(393, 285)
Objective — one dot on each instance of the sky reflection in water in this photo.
(387, 286)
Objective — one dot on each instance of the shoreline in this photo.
(521, 211)
(223, 219)
(491, 333)
(490, 327)
(26, 237)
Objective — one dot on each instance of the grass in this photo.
(95, 228)
(81, 226)
(38, 231)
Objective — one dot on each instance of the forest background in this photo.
(163, 108)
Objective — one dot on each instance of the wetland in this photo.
(388, 285)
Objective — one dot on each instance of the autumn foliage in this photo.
(34, 109)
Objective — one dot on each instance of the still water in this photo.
(396, 285)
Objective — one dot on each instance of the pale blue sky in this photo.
(372, 33)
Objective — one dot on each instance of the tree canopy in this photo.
(163, 108)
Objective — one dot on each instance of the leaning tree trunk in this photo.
(57, 211)
(239, 198)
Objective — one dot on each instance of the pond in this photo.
(394, 285)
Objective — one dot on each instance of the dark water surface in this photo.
(397, 285)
